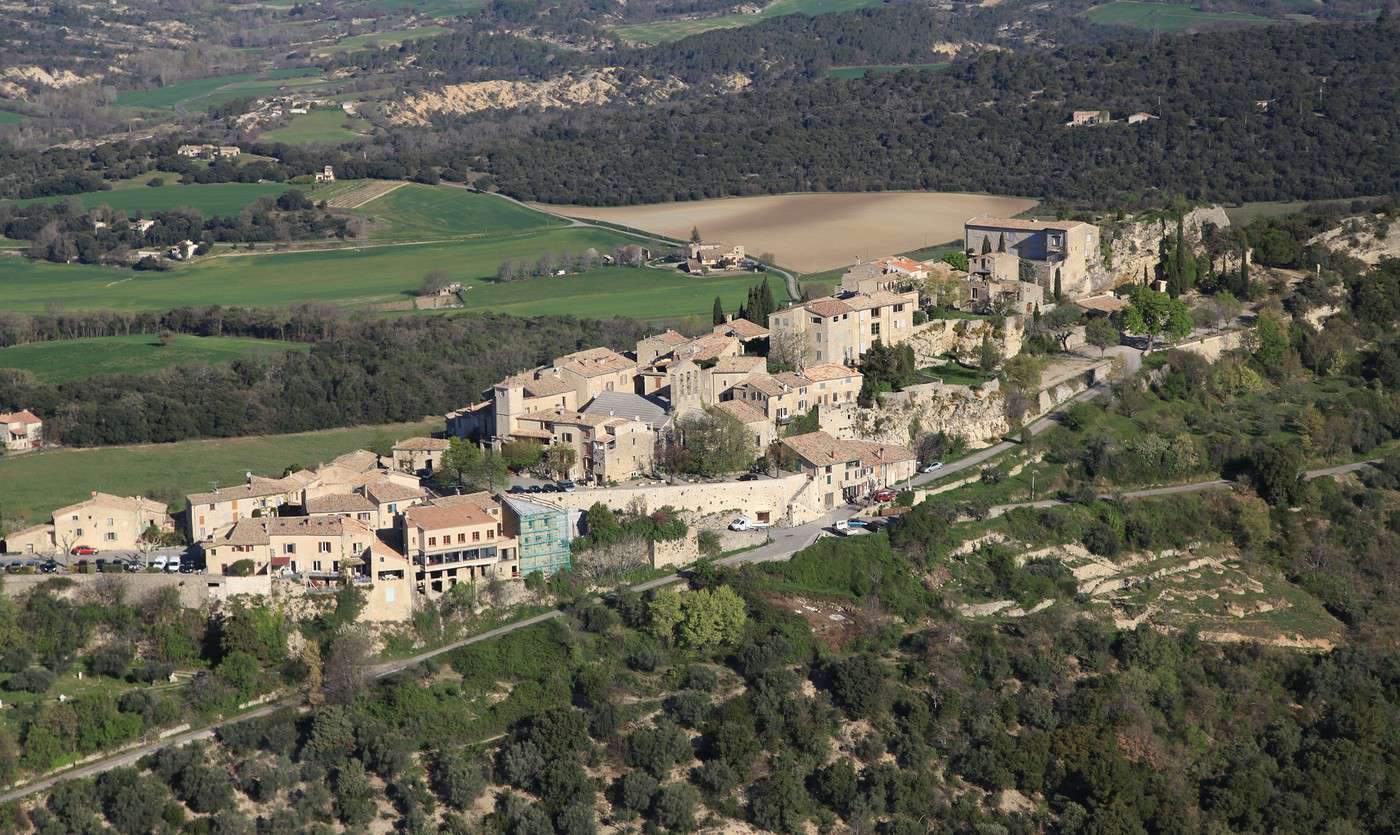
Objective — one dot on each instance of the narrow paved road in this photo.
(784, 543)
(1177, 489)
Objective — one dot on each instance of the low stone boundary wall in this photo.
(780, 500)
(193, 588)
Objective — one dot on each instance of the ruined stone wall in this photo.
(785, 499)
(681, 551)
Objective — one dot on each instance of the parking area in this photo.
(181, 560)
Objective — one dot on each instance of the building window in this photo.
(432, 540)
(110, 536)
(316, 565)
(323, 547)
(289, 547)
(109, 521)
(461, 537)
(476, 536)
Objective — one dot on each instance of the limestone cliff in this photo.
(975, 414)
(1135, 245)
(1367, 237)
(962, 338)
(590, 88)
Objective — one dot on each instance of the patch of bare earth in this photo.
(814, 232)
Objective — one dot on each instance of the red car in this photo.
(883, 495)
(83, 550)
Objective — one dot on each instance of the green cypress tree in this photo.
(769, 304)
(1059, 295)
(1001, 242)
(718, 316)
(986, 245)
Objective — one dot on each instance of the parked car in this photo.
(567, 486)
(157, 563)
(744, 523)
(534, 488)
(857, 523)
(886, 495)
(931, 467)
(518, 488)
(132, 565)
(749, 477)
(172, 565)
(49, 567)
(83, 551)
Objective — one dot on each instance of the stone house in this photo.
(461, 541)
(714, 256)
(606, 447)
(844, 471)
(23, 431)
(1084, 118)
(420, 456)
(102, 521)
(1067, 247)
(758, 424)
(840, 329)
(781, 397)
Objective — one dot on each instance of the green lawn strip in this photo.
(1164, 17)
(663, 31)
(209, 198)
(189, 92)
(37, 483)
(376, 40)
(9, 117)
(327, 125)
(420, 212)
(77, 359)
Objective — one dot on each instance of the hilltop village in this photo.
(834, 401)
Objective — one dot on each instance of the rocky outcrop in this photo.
(962, 338)
(975, 414)
(20, 82)
(590, 88)
(1135, 246)
(1367, 237)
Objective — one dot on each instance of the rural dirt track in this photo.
(813, 232)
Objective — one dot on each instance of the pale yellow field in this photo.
(815, 232)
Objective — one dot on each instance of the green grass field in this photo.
(199, 93)
(616, 291)
(77, 359)
(37, 483)
(1164, 17)
(9, 117)
(325, 125)
(378, 40)
(209, 198)
(419, 212)
(428, 8)
(881, 69)
(665, 31)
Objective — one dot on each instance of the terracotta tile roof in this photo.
(432, 517)
(668, 337)
(261, 531)
(340, 503)
(827, 307)
(388, 491)
(379, 549)
(707, 347)
(360, 461)
(127, 503)
(791, 380)
(879, 298)
(900, 262)
(594, 362)
(828, 371)
(22, 416)
(547, 385)
(481, 500)
(740, 365)
(767, 385)
(258, 488)
(742, 328)
(1102, 304)
(984, 222)
(415, 444)
(820, 449)
(741, 411)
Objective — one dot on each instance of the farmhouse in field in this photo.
(1004, 249)
(208, 151)
(23, 431)
(713, 256)
(1140, 117)
(840, 329)
(101, 521)
(326, 175)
